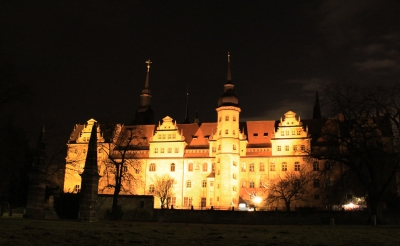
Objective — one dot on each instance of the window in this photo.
(284, 166)
(77, 188)
(190, 167)
(176, 150)
(297, 184)
(227, 118)
(316, 183)
(287, 133)
(265, 134)
(298, 132)
(235, 163)
(155, 150)
(234, 188)
(303, 147)
(234, 147)
(234, 118)
(204, 183)
(211, 201)
(211, 183)
(163, 136)
(316, 166)
(162, 150)
(151, 188)
(169, 136)
(234, 176)
(279, 148)
(251, 167)
(214, 149)
(124, 168)
(293, 132)
(84, 151)
(233, 132)
(294, 147)
(99, 150)
(203, 202)
(137, 170)
(172, 167)
(189, 184)
(219, 147)
(251, 184)
(152, 167)
(262, 167)
(243, 184)
(169, 150)
(219, 120)
(243, 166)
(187, 201)
(282, 133)
(255, 134)
(220, 132)
(205, 167)
(171, 201)
(286, 147)
(213, 167)
(226, 131)
(297, 166)
(272, 167)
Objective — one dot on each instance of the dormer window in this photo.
(206, 136)
(265, 134)
(255, 135)
(194, 137)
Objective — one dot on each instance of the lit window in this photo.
(251, 167)
(279, 148)
(297, 166)
(155, 150)
(286, 147)
(77, 188)
(272, 167)
(151, 188)
(172, 167)
(190, 167)
(152, 167)
(204, 183)
(284, 166)
(316, 166)
(205, 167)
(251, 185)
(189, 184)
(262, 167)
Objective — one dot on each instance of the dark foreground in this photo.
(18, 231)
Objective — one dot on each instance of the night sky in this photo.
(86, 59)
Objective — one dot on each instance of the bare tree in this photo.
(290, 187)
(364, 137)
(162, 188)
(122, 168)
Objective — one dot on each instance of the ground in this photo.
(18, 231)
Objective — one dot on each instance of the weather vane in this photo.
(148, 64)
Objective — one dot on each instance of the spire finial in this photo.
(146, 86)
(228, 75)
(148, 65)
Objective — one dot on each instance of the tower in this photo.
(37, 178)
(144, 114)
(317, 108)
(90, 181)
(228, 144)
(187, 121)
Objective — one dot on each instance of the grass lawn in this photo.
(18, 231)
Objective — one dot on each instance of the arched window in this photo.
(172, 167)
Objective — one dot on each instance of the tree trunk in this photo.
(376, 209)
(287, 204)
(115, 209)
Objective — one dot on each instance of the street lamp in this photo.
(257, 200)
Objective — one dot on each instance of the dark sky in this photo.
(86, 59)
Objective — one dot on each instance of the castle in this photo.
(214, 164)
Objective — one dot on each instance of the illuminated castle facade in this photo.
(217, 164)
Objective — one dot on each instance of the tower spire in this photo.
(317, 107)
(144, 114)
(187, 121)
(228, 74)
(146, 85)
